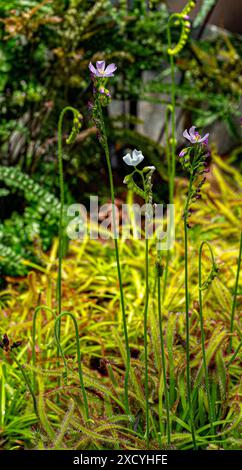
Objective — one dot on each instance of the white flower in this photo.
(134, 159)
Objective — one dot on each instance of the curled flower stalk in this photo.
(183, 20)
(146, 193)
(203, 285)
(102, 98)
(194, 160)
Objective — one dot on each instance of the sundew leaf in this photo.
(221, 375)
(215, 341)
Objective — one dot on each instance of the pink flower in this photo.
(194, 137)
(101, 71)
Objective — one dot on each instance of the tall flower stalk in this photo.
(77, 117)
(193, 160)
(102, 97)
(76, 124)
(146, 193)
(188, 334)
(159, 272)
(203, 285)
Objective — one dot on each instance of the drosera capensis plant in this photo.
(101, 98)
(88, 276)
(163, 344)
(194, 160)
(145, 191)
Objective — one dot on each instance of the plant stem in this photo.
(211, 416)
(164, 364)
(235, 293)
(188, 331)
(171, 162)
(61, 184)
(173, 121)
(110, 174)
(146, 339)
(235, 354)
(146, 318)
(62, 197)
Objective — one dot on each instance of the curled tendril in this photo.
(76, 125)
(214, 269)
(182, 19)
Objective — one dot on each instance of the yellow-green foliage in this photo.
(90, 292)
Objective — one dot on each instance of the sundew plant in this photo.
(119, 337)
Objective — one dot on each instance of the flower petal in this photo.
(137, 156)
(136, 153)
(204, 138)
(127, 159)
(186, 135)
(100, 65)
(92, 68)
(110, 69)
(192, 131)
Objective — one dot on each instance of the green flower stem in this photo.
(235, 354)
(235, 294)
(172, 172)
(41, 307)
(146, 339)
(187, 319)
(164, 364)
(110, 174)
(57, 336)
(211, 415)
(171, 159)
(146, 196)
(62, 197)
(169, 111)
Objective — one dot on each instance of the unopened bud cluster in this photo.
(182, 19)
(76, 125)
